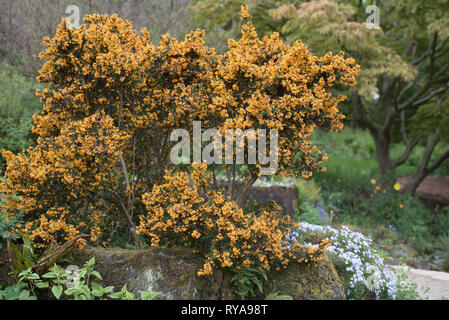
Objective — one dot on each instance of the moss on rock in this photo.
(172, 271)
(319, 281)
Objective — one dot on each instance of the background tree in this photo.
(18, 103)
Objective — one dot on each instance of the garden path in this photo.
(436, 281)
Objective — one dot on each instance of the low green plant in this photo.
(247, 281)
(124, 294)
(25, 257)
(62, 286)
(406, 290)
(15, 292)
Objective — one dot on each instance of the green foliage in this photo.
(6, 224)
(308, 191)
(14, 292)
(434, 114)
(249, 280)
(25, 257)
(308, 213)
(63, 285)
(412, 219)
(21, 259)
(406, 290)
(123, 294)
(18, 103)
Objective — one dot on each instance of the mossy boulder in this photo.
(172, 271)
(318, 281)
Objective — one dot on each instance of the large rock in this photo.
(433, 190)
(319, 281)
(172, 271)
(285, 196)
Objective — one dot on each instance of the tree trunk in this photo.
(414, 182)
(382, 140)
(425, 167)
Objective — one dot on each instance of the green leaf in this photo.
(82, 273)
(85, 291)
(90, 263)
(97, 293)
(129, 296)
(147, 295)
(71, 291)
(49, 275)
(108, 289)
(33, 276)
(96, 286)
(115, 295)
(97, 274)
(42, 285)
(57, 291)
(12, 292)
(24, 295)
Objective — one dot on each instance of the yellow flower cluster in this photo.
(179, 214)
(61, 180)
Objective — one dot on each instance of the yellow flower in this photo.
(373, 181)
(196, 234)
(377, 188)
(397, 186)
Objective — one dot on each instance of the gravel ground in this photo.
(436, 281)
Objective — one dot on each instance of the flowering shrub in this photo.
(92, 179)
(364, 268)
(181, 213)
